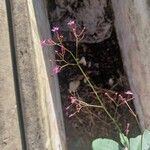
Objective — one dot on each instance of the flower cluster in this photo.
(47, 42)
(56, 70)
(120, 98)
(55, 29)
(74, 103)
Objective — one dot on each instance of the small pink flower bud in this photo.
(56, 70)
(55, 29)
(129, 93)
(51, 42)
(72, 25)
(71, 22)
(43, 43)
(73, 99)
(62, 49)
(78, 108)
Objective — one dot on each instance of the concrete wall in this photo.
(37, 92)
(9, 123)
(132, 21)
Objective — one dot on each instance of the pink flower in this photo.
(43, 43)
(56, 70)
(55, 29)
(129, 93)
(71, 22)
(48, 42)
(72, 25)
(62, 49)
(78, 108)
(73, 99)
(51, 42)
(125, 148)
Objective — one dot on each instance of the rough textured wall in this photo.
(132, 20)
(94, 15)
(38, 92)
(9, 123)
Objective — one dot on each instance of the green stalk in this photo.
(90, 84)
(99, 99)
(77, 45)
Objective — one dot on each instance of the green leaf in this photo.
(105, 144)
(124, 140)
(146, 140)
(135, 143)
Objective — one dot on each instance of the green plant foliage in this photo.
(146, 140)
(141, 142)
(105, 144)
(135, 143)
(124, 140)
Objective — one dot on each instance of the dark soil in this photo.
(107, 74)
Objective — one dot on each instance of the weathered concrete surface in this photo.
(132, 20)
(41, 105)
(9, 125)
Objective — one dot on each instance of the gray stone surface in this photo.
(42, 107)
(92, 14)
(9, 124)
(39, 91)
(132, 21)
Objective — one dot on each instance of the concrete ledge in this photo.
(40, 99)
(9, 123)
(132, 21)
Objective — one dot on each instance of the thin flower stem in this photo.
(90, 84)
(67, 65)
(60, 56)
(92, 87)
(77, 46)
(81, 38)
(81, 33)
(57, 60)
(132, 112)
(102, 105)
(89, 105)
(96, 94)
(63, 60)
(126, 101)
